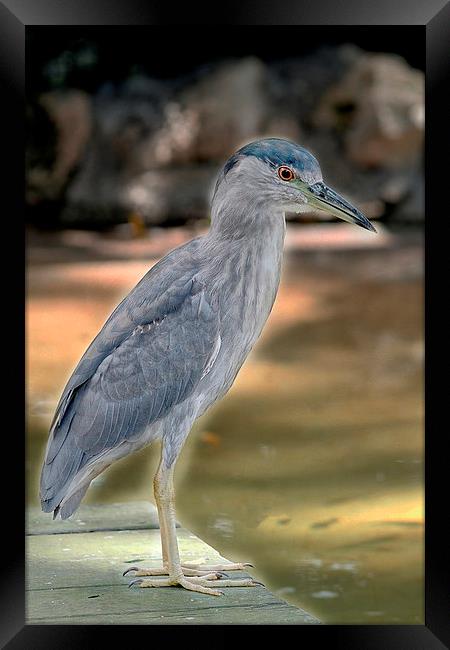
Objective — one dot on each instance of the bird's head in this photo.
(280, 173)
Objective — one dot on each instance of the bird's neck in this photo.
(244, 267)
(248, 245)
(246, 220)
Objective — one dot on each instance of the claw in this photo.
(135, 582)
(256, 582)
(132, 568)
(248, 564)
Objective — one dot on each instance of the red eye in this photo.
(285, 173)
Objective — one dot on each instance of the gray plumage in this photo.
(174, 345)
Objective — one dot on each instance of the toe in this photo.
(135, 582)
(197, 586)
(147, 572)
(132, 568)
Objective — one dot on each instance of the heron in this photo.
(176, 342)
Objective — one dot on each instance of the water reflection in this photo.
(311, 468)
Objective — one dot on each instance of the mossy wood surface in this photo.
(74, 574)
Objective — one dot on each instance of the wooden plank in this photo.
(115, 516)
(171, 605)
(100, 558)
(77, 579)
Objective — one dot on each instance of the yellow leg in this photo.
(163, 532)
(190, 578)
(165, 502)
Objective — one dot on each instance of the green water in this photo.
(311, 467)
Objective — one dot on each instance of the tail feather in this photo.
(63, 460)
(68, 507)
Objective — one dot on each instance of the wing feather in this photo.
(149, 357)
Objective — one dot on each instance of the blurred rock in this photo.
(224, 109)
(145, 126)
(397, 186)
(297, 85)
(412, 208)
(69, 116)
(125, 122)
(152, 194)
(378, 108)
(152, 148)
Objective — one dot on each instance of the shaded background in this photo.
(311, 467)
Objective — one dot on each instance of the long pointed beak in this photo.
(323, 197)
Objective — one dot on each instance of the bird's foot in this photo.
(231, 566)
(191, 569)
(196, 583)
(164, 571)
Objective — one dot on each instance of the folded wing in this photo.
(149, 356)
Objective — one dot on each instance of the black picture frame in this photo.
(433, 16)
